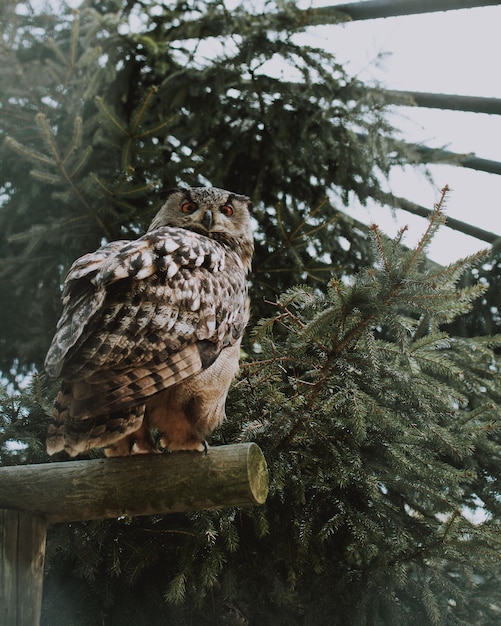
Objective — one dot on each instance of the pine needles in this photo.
(372, 429)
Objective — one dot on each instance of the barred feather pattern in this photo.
(149, 338)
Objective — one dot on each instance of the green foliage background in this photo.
(372, 387)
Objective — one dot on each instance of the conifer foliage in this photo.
(376, 408)
(376, 421)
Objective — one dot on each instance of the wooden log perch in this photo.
(227, 476)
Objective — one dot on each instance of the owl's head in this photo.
(215, 213)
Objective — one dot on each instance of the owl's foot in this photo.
(138, 442)
(191, 444)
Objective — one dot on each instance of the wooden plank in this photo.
(22, 546)
(227, 476)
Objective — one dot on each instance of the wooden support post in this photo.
(22, 548)
(32, 495)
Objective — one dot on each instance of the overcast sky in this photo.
(456, 52)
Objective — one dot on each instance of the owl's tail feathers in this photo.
(79, 435)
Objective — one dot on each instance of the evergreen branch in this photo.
(450, 524)
(422, 327)
(119, 194)
(76, 140)
(308, 234)
(288, 314)
(273, 270)
(280, 223)
(379, 242)
(42, 121)
(285, 315)
(168, 531)
(139, 190)
(438, 435)
(361, 326)
(454, 270)
(312, 213)
(29, 153)
(113, 119)
(139, 114)
(97, 180)
(357, 331)
(318, 273)
(67, 63)
(125, 164)
(56, 74)
(61, 57)
(152, 130)
(249, 365)
(81, 162)
(136, 120)
(477, 412)
(436, 219)
(75, 28)
(304, 237)
(13, 60)
(49, 138)
(438, 340)
(45, 177)
(401, 233)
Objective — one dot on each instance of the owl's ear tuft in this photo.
(172, 190)
(245, 199)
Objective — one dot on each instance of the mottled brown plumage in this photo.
(149, 337)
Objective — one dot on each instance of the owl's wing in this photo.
(81, 301)
(141, 315)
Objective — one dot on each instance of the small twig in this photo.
(437, 213)
(168, 530)
(455, 515)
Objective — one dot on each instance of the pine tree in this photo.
(370, 380)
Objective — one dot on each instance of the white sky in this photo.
(456, 52)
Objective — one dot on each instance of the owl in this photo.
(149, 338)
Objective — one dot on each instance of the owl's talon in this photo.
(206, 447)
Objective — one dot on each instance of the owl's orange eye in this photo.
(188, 207)
(227, 210)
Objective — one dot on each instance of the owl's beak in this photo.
(207, 219)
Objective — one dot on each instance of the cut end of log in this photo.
(258, 474)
